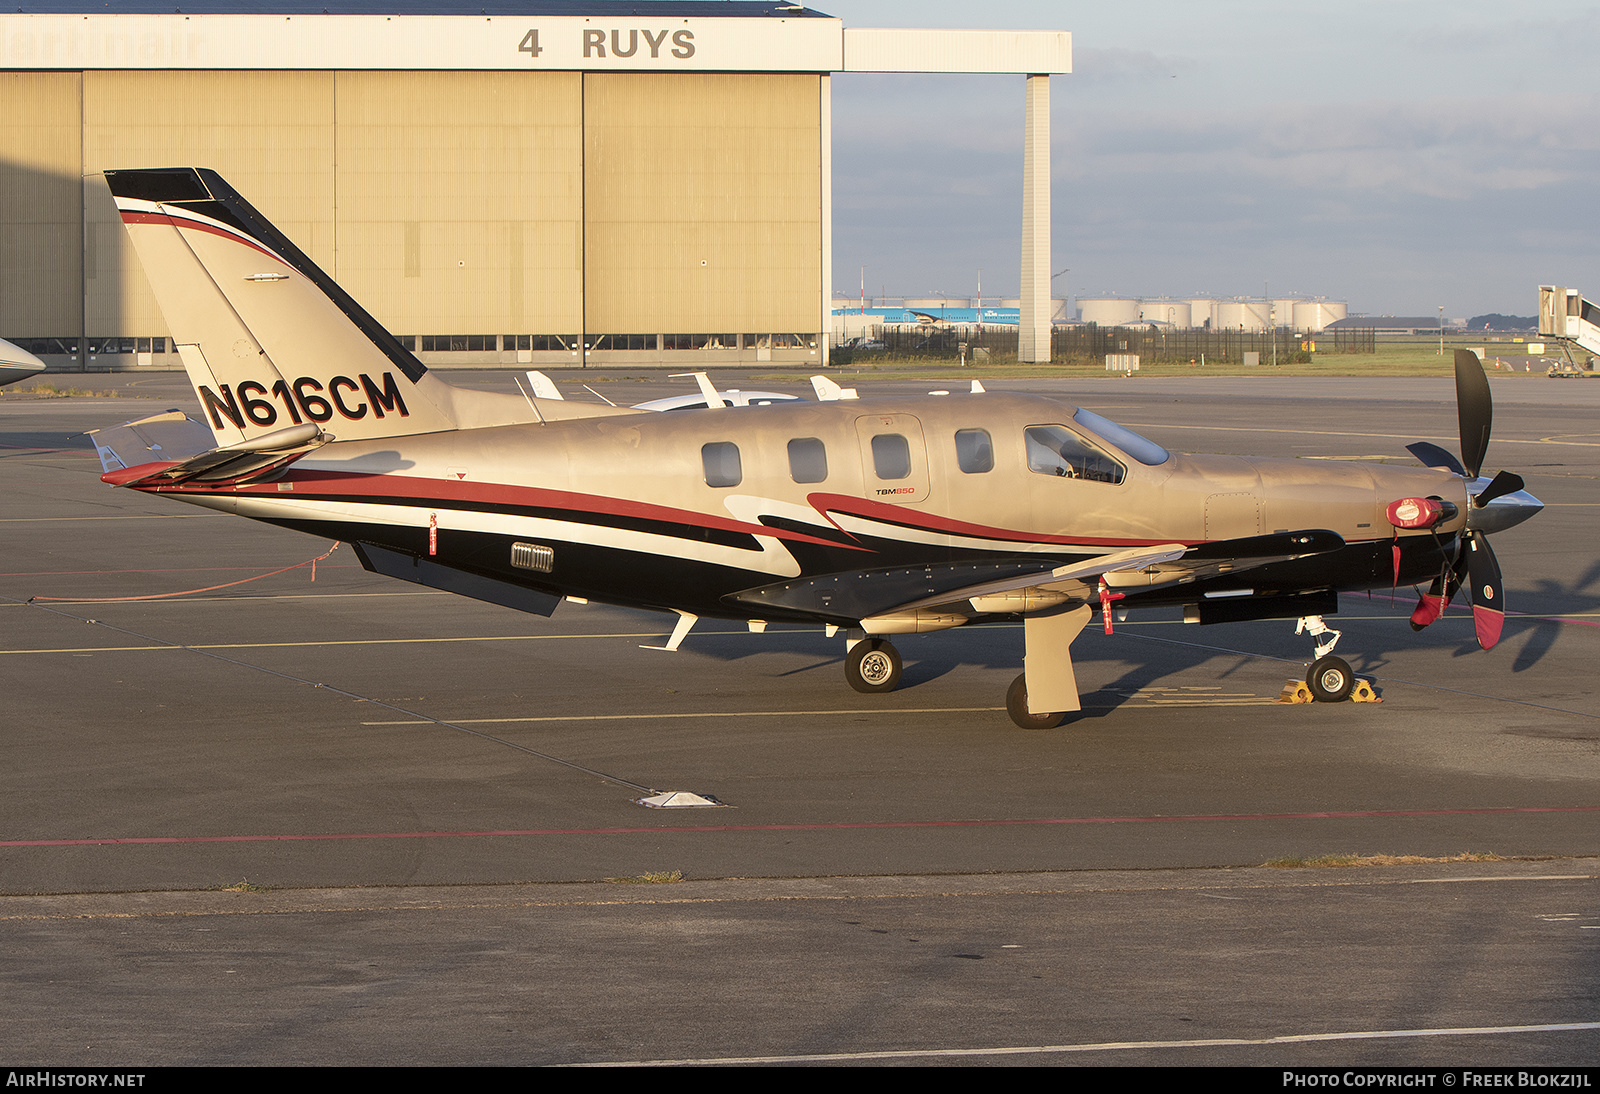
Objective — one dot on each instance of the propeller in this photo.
(1500, 503)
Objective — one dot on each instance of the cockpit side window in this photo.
(1056, 450)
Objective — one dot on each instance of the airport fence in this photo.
(1090, 343)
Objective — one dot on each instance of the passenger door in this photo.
(894, 457)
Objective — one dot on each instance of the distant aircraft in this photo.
(928, 319)
(17, 363)
(871, 516)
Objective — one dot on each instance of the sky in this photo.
(1399, 155)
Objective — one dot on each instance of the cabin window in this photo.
(891, 456)
(721, 462)
(808, 460)
(974, 451)
(1056, 450)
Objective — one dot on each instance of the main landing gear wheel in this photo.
(1330, 679)
(872, 666)
(1017, 707)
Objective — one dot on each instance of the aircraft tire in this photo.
(1017, 707)
(872, 666)
(1330, 679)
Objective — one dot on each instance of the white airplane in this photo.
(871, 516)
(17, 363)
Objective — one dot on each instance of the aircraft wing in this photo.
(1135, 560)
(1139, 567)
(1022, 584)
(1228, 556)
(854, 595)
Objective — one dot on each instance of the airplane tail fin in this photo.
(269, 341)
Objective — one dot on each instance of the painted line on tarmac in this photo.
(1386, 680)
(1198, 701)
(616, 780)
(168, 570)
(696, 714)
(1110, 1046)
(264, 596)
(1463, 609)
(135, 516)
(1348, 433)
(346, 642)
(836, 826)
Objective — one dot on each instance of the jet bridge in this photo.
(1565, 314)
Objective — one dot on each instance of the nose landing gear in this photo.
(1329, 678)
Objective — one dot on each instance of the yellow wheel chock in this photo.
(1363, 693)
(1296, 691)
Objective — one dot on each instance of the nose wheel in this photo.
(1330, 679)
(872, 666)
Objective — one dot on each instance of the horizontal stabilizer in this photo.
(172, 437)
(176, 462)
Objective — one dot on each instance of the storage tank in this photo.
(1315, 315)
(1283, 310)
(1241, 314)
(934, 303)
(1171, 314)
(1110, 311)
(1202, 309)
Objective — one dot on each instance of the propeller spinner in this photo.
(1496, 504)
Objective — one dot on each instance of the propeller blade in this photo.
(1432, 455)
(1474, 409)
(1502, 484)
(1488, 607)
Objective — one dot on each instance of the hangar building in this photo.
(504, 183)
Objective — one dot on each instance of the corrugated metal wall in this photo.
(703, 202)
(446, 203)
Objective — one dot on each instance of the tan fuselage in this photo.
(631, 485)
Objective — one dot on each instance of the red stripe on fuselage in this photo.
(134, 216)
(402, 487)
(909, 518)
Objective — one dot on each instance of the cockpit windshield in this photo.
(1140, 448)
